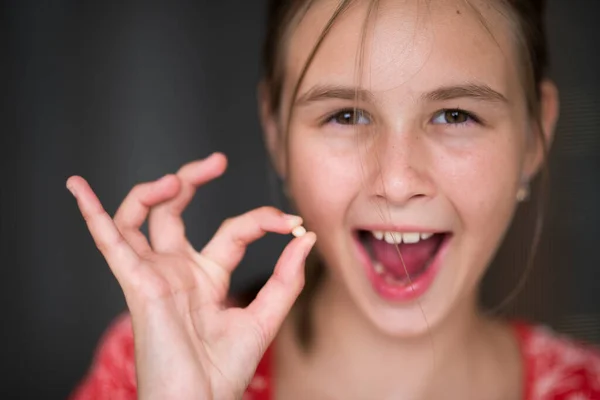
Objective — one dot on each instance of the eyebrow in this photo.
(325, 92)
(471, 90)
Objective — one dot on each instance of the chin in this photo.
(409, 320)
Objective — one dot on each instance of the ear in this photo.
(273, 136)
(549, 110)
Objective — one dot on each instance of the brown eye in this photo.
(456, 117)
(350, 117)
(453, 117)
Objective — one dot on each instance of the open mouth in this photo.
(401, 260)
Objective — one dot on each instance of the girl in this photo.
(406, 133)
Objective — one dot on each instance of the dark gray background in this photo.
(122, 94)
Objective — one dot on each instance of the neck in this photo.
(347, 348)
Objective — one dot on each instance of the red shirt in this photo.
(555, 368)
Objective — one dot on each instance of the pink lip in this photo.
(416, 288)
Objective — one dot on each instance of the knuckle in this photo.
(86, 216)
(106, 246)
(137, 191)
(92, 217)
(101, 246)
(253, 217)
(267, 211)
(228, 223)
(259, 214)
(134, 195)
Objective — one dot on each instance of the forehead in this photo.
(408, 45)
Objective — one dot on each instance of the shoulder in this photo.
(557, 367)
(112, 374)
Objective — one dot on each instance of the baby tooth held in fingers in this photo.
(299, 231)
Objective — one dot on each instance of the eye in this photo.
(349, 117)
(454, 117)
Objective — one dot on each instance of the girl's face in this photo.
(432, 161)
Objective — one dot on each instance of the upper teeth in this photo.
(401, 237)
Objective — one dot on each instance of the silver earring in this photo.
(523, 192)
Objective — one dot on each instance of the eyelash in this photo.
(470, 117)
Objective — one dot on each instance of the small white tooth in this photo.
(397, 237)
(378, 267)
(378, 235)
(389, 237)
(426, 235)
(410, 237)
(299, 231)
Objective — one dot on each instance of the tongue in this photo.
(415, 256)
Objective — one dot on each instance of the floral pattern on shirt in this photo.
(555, 368)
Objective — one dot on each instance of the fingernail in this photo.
(70, 188)
(295, 220)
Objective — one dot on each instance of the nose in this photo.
(401, 168)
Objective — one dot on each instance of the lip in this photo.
(397, 228)
(418, 286)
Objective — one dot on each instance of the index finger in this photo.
(119, 255)
(228, 245)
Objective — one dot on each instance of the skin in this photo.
(189, 344)
(405, 165)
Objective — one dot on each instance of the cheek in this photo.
(322, 179)
(482, 186)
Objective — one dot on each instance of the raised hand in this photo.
(188, 343)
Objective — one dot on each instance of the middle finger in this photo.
(137, 204)
(167, 230)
